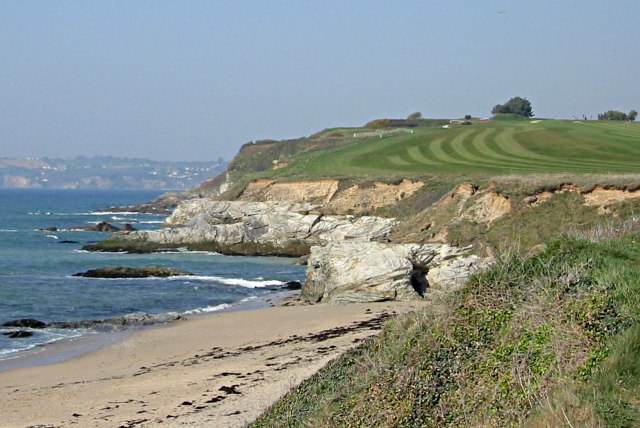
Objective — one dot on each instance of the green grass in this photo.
(539, 341)
(485, 148)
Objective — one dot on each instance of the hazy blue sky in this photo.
(193, 80)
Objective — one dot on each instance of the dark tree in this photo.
(632, 115)
(612, 115)
(415, 116)
(517, 105)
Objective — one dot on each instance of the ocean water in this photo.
(36, 269)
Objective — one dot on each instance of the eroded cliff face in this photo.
(353, 199)
(320, 191)
(603, 197)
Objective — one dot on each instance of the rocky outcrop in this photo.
(343, 272)
(20, 334)
(130, 272)
(102, 226)
(120, 323)
(110, 324)
(163, 204)
(256, 228)
(26, 323)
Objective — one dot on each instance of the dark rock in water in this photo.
(121, 322)
(293, 285)
(18, 334)
(25, 323)
(127, 228)
(50, 229)
(163, 204)
(129, 272)
(98, 247)
(103, 226)
(68, 242)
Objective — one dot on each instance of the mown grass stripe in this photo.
(488, 147)
(439, 154)
(478, 147)
(415, 154)
(397, 160)
(507, 163)
(506, 141)
(463, 148)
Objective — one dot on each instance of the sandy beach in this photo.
(221, 370)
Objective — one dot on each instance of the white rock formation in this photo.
(240, 227)
(343, 272)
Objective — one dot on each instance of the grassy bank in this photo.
(485, 148)
(545, 340)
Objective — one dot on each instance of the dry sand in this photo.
(222, 370)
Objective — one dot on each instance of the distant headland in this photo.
(105, 172)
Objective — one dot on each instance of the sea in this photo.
(37, 282)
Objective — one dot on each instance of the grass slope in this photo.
(485, 148)
(546, 340)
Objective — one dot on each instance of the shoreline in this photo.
(72, 347)
(222, 369)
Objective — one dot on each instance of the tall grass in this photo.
(545, 340)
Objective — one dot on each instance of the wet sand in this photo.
(220, 370)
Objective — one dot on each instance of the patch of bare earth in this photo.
(359, 199)
(355, 199)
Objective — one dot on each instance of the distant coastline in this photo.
(105, 172)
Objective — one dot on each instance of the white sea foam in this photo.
(248, 283)
(52, 236)
(116, 218)
(208, 309)
(217, 308)
(41, 337)
(112, 212)
(8, 230)
(187, 251)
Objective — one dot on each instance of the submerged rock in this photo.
(135, 319)
(102, 226)
(293, 285)
(130, 272)
(25, 323)
(127, 228)
(343, 272)
(20, 334)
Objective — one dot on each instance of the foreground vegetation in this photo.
(551, 339)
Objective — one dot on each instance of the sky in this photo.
(194, 80)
